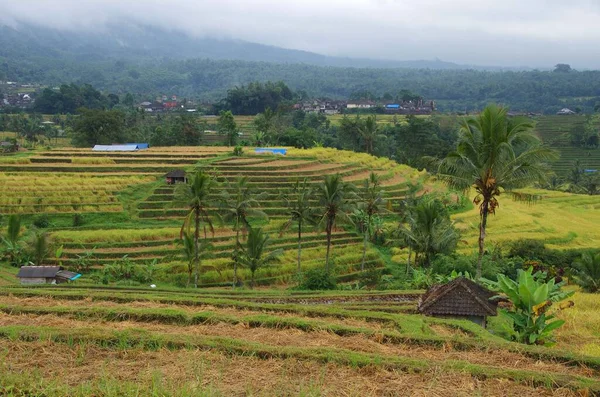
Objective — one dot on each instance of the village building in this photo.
(29, 275)
(176, 176)
(360, 105)
(461, 298)
(565, 112)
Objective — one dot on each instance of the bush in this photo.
(238, 151)
(41, 221)
(78, 220)
(317, 279)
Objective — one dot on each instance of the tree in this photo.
(195, 194)
(587, 271)
(298, 203)
(494, 154)
(253, 255)
(333, 195)
(227, 126)
(94, 127)
(371, 203)
(237, 208)
(13, 242)
(562, 68)
(368, 132)
(189, 251)
(39, 247)
(427, 230)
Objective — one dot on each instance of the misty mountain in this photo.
(137, 43)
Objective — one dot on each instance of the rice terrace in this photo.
(187, 212)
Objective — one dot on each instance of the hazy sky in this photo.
(537, 33)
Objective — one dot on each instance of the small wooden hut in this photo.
(460, 298)
(45, 275)
(176, 176)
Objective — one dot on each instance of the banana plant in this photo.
(532, 298)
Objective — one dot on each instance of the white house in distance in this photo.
(360, 105)
(565, 111)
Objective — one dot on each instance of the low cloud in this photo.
(537, 33)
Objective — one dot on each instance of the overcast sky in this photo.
(537, 33)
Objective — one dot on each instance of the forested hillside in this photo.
(137, 68)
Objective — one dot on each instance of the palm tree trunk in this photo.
(252, 281)
(408, 260)
(196, 247)
(299, 245)
(235, 259)
(364, 254)
(482, 226)
(328, 230)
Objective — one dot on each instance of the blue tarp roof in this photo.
(115, 148)
(280, 151)
(392, 106)
(140, 145)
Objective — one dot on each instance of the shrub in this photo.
(531, 298)
(587, 272)
(41, 221)
(78, 220)
(317, 279)
(238, 151)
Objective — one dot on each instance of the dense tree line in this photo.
(71, 97)
(453, 90)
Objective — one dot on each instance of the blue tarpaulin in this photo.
(280, 151)
(392, 106)
(115, 148)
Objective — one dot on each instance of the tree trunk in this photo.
(482, 226)
(408, 260)
(328, 231)
(299, 245)
(364, 254)
(196, 248)
(252, 281)
(235, 256)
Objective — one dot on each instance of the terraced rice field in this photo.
(554, 131)
(560, 220)
(129, 189)
(135, 342)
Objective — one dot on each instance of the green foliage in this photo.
(39, 247)
(253, 255)
(531, 298)
(228, 127)
(78, 220)
(126, 270)
(12, 243)
(494, 154)
(41, 221)
(69, 98)
(256, 97)
(238, 151)
(587, 271)
(317, 279)
(95, 126)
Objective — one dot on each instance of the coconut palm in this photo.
(300, 211)
(368, 131)
(253, 254)
(370, 204)
(195, 195)
(237, 204)
(333, 195)
(189, 251)
(494, 154)
(428, 231)
(587, 272)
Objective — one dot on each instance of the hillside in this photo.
(128, 208)
(554, 131)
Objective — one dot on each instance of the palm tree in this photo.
(371, 203)
(12, 242)
(333, 195)
(368, 132)
(587, 274)
(298, 202)
(189, 251)
(494, 154)
(428, 231)
(253, 255)
(195, 195)
(237, 208)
